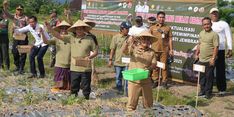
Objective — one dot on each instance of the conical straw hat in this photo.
(63, 23)
(146, 34)
(90, 23)
(79, 23)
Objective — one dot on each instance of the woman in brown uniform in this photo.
(142, 56)
(62, 65)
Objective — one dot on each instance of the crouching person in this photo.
(63, 55)
(81, 45)
(142, 56)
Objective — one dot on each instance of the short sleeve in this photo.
(216, 40)
(113, 45)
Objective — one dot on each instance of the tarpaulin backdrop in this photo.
(184, 17)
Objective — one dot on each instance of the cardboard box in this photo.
(19, 36)
(24, 48)
(78, 61)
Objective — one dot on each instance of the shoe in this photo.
(208, 96)
(41, 76)
(222, 93)
(200, 94)
(55, 90)
(32, 76)
(21, 72)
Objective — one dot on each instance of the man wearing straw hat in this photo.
(116, 53)
(162, 43)
(19, 21)
(142, 56)
(63, 56)
(39, 48)
(81, 46)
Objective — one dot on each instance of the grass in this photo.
(71, 100)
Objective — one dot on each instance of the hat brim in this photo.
(73, 29)
(58, 28)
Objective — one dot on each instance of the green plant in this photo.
(72, 99)
(2, 95)
(95, 112)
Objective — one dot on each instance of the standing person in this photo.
(116, 53)
(162, 42)
(137, 28)
(81, 46)
(54, 21)
(4, 43)
(206, 54)
(225, 36)
(151, 21)
(19, 21)
(38, 49)
(142, 56)
(62, 65)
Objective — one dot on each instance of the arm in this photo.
(197, 52)
(67, 13)
(112, 52)
(5, 6)
(170, 44)
(54, 33)
(45, 40)
(22, 30)
(229, 40)
(215, 52)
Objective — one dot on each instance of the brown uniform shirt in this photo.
(161, 43)
(142, 59)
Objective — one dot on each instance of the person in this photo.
(63, 55)
(4, 42)
(81, 45)
(142, 56)
(225, 36)
(151, 21)
(116, 53)
(137, 28)
(162, 43)
(39, 48)
(138, 7)
(145, 7)
(206, 53)
(19, 21)
(54, 21)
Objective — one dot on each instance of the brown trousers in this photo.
(134, 92)
(162, 58)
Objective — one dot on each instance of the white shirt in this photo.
(35, 33)
(145, 9)
(138, 8)
(133, 31)
(224, 32)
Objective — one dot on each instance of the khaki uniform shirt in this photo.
(116, 45)
(208, 41)
(80, 47)
(63, 54)
(160, 43)
(142, 59)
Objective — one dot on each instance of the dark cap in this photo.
(19, 7)
(138, 19)
(125, 25)
(152, 20)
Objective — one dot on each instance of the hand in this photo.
(171, 53)
(212, 62)
(196, 57)
(87, 58)
(110, 63)
(5, 4)
(229, 54)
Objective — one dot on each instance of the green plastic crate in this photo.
(135, 74)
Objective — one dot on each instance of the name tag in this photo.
(198, 68)
(161, 65)
(163, 35)
(126, 60)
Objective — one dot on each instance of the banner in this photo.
(184, 17)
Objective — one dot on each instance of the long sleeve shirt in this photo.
(35, 33)
(224, 32)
